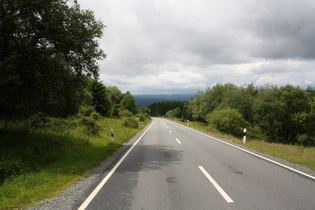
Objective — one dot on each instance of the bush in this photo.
(174, 113)
(141, 118)
(39, 120)
(86, 110)
(130, 123)
(91, 128)
(10, 167)
(306, 140)
(228, 121)
(96, 115)
(125, 113)
(256, 133)
(115, 111)
(147, 116)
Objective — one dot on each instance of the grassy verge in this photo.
(44, 162)
(304, 156)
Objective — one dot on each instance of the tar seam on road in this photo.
(102, 183)
(252, 153)
(216, 185)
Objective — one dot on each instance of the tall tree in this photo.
(115, 94)
(101, 98)
(44, 48)
(128, 102)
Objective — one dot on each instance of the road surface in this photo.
(174, 167)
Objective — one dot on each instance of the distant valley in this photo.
(146, 100)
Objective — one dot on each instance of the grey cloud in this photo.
(239, 41)
(284, 29)
(275, 68)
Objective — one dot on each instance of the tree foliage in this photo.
(284, 114)
(128, 103)
(45, 47)
(174, 113)
(131, 123)
(228, 120)
(116, 94)
(162, 107)
(281, 114)
(101, 98)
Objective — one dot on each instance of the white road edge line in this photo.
(215, 184)
(178, 141)
(102, 183)
(244, 150)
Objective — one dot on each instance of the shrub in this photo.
(96, 115)
(115, 111)
(148, 116)
(39, 120)
(228, 121)
(10, 167)
(256, 133)
(61, 125)
(141, 118)
(174, 113)
(86, 110)
(91, 128)
(130, 123)
(125, 113)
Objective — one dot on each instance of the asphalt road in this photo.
(174, 167)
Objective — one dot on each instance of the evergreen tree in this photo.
(128, 102)
(101, 98)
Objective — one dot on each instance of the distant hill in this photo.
(146, 100)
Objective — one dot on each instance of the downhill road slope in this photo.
(174, 167)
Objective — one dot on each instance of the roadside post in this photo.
(112, 135)
(187, 122)
(244, 137)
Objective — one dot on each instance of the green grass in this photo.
(301, 155)
(44, 162)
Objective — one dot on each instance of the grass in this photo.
(301, 155)
(44, 162)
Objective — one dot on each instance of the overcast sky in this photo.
(180, 46)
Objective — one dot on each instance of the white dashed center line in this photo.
(215, 184)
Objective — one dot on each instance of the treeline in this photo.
(280, 114)
(110, 101)
(177, 109)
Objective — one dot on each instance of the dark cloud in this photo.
(284, 29)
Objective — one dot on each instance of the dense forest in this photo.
(280, 114)
(169, 108)
(147, 100)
